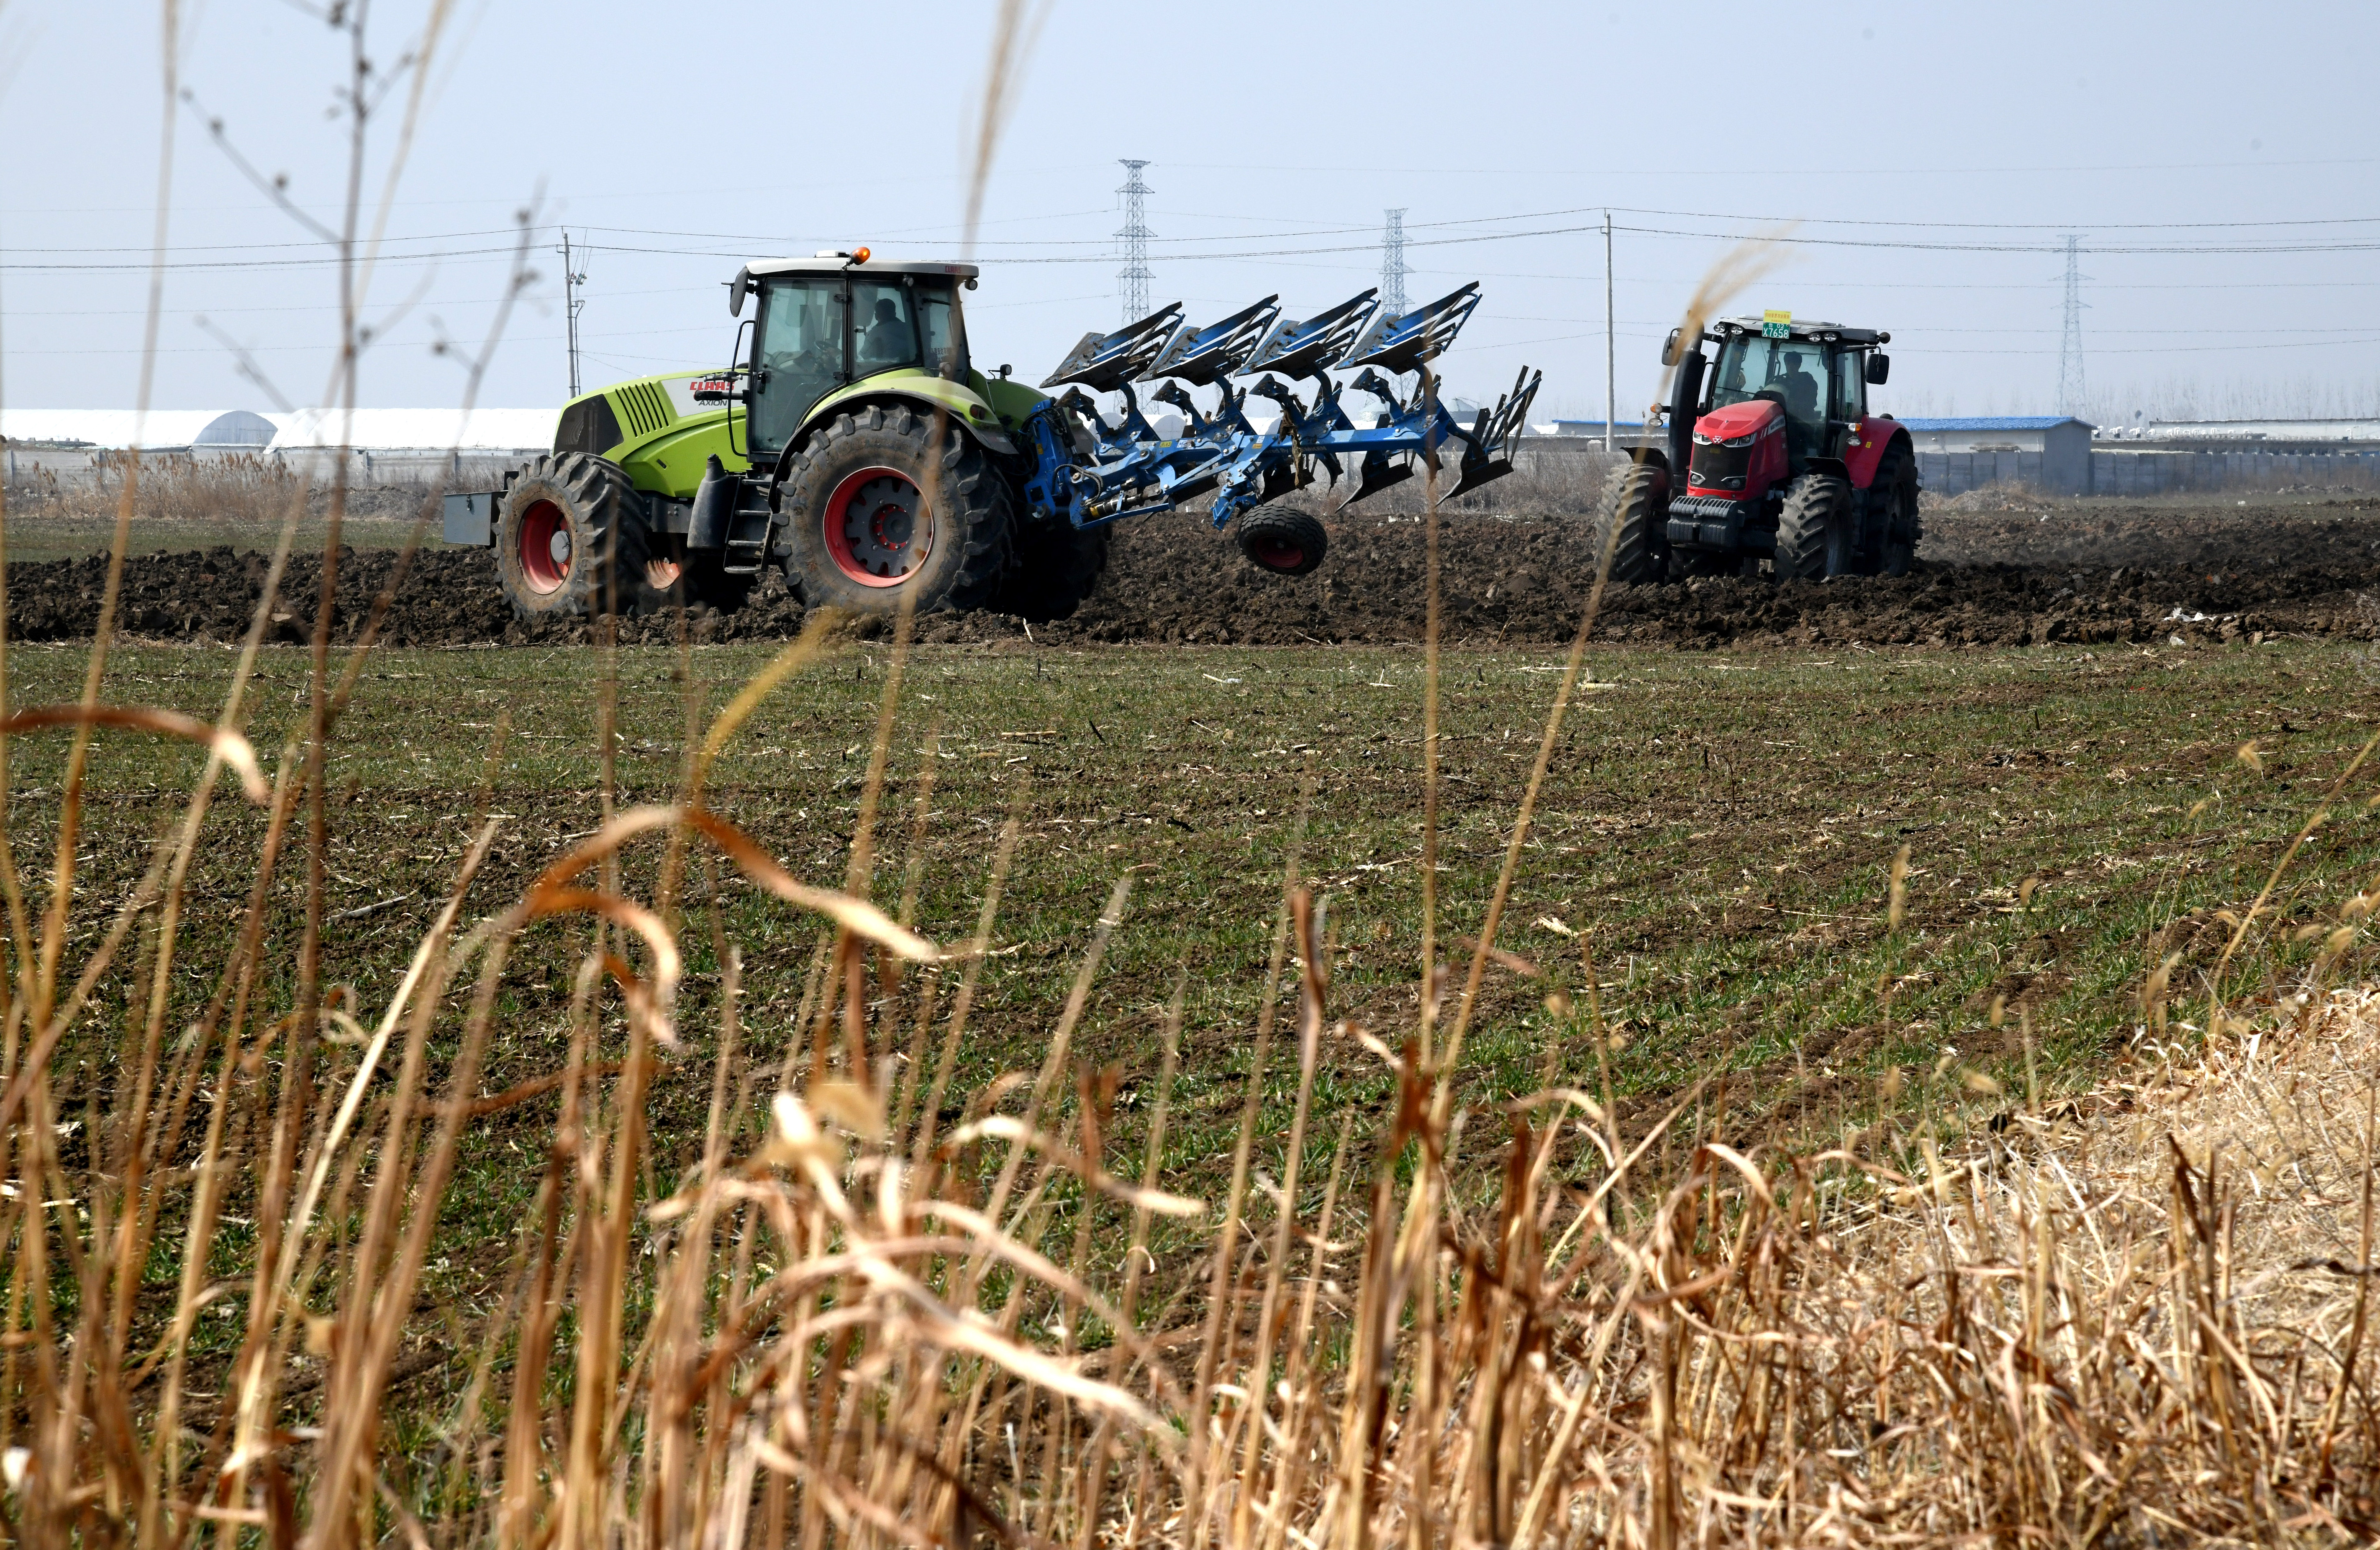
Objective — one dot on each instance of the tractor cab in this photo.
(1815, 374)
(823, 324)
(1773, 460)
(1792, 374)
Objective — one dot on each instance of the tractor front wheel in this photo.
(1636, 528)
(570, 540)
(1813, 532)
(877, 512)
(1284, 542)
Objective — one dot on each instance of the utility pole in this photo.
(1610, 348)
(1134, 273)
(571, 305)
(2069, 345)
(1393, 265)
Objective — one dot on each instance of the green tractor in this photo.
(856, 446)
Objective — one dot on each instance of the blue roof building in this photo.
(2060, 443)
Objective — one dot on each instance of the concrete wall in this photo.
(2145, 472)
(2154, 473)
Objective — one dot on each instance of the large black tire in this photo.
(1057, 566)
(1640, 510)
(1284, 542)
(1813, 532)
(570, 540)
(1892, 497)
(875, 510)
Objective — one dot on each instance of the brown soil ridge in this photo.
(2076, 573)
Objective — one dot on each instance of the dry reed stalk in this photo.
(2143, 1316)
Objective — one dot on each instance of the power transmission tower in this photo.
(2069, 347)
(571, 305)
(1134, 273)
(1392, 266)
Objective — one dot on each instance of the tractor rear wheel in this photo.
(1057, 566)
(1895, 492)
(877, 511)
(563, 518)
(1285, 542)
(1640, 513)
(1813, 532)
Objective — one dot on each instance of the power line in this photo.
(781, 240)
(1134, 273)
(1393, 265)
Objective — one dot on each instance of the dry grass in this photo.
(881, 1312)
(240, 487)
(877, 1311)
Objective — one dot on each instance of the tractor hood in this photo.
(1739, 450)
(1740, 419)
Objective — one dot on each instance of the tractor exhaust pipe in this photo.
(1683, 399)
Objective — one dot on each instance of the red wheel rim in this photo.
(1276, 554)
(878, 527)
(542, 546)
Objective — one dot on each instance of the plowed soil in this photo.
(2079, 571)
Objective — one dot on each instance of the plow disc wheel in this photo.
(1287, 544)
(877, 512)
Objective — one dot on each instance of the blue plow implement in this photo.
(1091, 471)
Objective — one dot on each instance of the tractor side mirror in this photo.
(1878, 368)
(737, 289)
(1669, 348)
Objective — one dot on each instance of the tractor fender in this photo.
(1827, 466)
(955, 403)
(920, 390)
(1654, 457)
(1868, 440)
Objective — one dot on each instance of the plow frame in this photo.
(1090, 471)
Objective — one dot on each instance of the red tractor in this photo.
(1783, 463)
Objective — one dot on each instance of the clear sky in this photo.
(1933, 156)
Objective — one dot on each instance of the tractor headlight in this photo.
(1740, 441)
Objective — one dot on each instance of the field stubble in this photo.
(1794, 1041)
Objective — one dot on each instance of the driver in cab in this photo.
(888, 336)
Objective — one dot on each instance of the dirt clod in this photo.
(2070, 572)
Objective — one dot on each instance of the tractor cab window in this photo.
(1790, 372)
(884, 326)
(1850, 386)
(945, 331)
(797, 353)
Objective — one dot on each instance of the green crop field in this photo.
(1719, 832)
